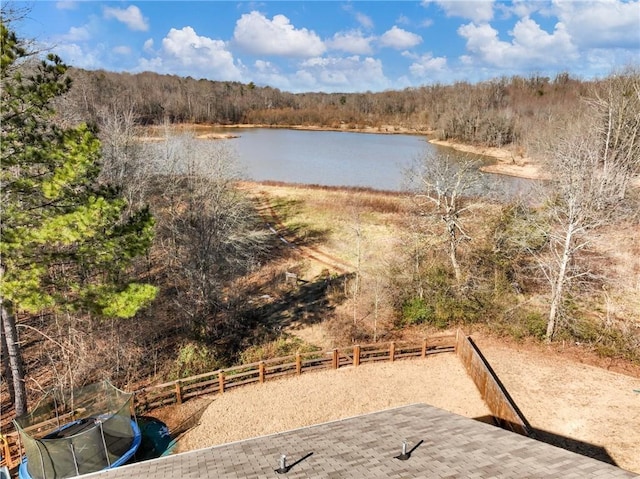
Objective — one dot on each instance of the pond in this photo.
(334, 158)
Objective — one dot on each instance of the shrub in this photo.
(416, 311)
(521, 323)
(193, 359)
(283, 346)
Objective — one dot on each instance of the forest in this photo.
(141, 258)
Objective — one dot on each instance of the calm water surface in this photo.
(334, 158)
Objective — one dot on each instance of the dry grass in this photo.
(328, 220)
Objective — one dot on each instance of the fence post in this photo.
(356, 355)
(298, 364)
(178, 392)
(261, 371)
(221, 382)
(392, 351)
(334, 359)
(424, 348)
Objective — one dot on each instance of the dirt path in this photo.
(275, 224)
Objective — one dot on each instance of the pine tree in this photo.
(66, 242)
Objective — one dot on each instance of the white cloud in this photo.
(184, 52)
(427, 65)
(77, 34)
(258, 35)
(398, 38)
(351, 42)
(521, 8)
(262, 66)
(76, 55)
(531, 47)
(403, 20)
(122, 50)
(364, 20)
(130, 16)
(474, 10)
(266, 73)
(346, 74)
(148, 45)
(426, 23)
(66, 5)
(600, 24)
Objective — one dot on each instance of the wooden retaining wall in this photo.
(500, 403)
(495, 395)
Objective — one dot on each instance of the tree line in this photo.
(498, 112)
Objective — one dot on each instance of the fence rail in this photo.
(493, 392)
(217, 382)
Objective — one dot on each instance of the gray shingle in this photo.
(366, 446)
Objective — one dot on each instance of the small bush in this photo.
(522, 323)
(193, 359)
(441, 310)
(609, 341)
(416, 311)
(283, 346)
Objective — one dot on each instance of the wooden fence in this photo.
(504, 410)
(492, 390)
(217, 382)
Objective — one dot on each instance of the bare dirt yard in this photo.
(578, 402)
(562, 394)
(327, 395)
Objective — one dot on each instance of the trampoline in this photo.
(83, 431)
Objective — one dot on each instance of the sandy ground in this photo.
(507, 162)
(323, 396)
(556, 394)
(572, 399)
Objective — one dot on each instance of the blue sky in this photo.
(341, 46)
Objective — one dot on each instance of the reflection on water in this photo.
(334, 158)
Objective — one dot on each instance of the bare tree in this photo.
(445, 188)
(615, 106)
(126, 163)
(591, 162)
(211, 229)
(582, 195)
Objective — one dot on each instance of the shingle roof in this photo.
(441, 445)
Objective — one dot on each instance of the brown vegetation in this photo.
(250, 270)
(496, 113)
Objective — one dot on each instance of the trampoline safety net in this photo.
(83, 431)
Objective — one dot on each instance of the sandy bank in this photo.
(508, 162)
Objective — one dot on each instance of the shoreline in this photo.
(506, 162)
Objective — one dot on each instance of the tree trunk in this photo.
(6, 369)
(453, 250)
(558, 287)
(15, 359)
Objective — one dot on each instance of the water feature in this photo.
(334, 158)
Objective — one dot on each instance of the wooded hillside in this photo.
(496, 113)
